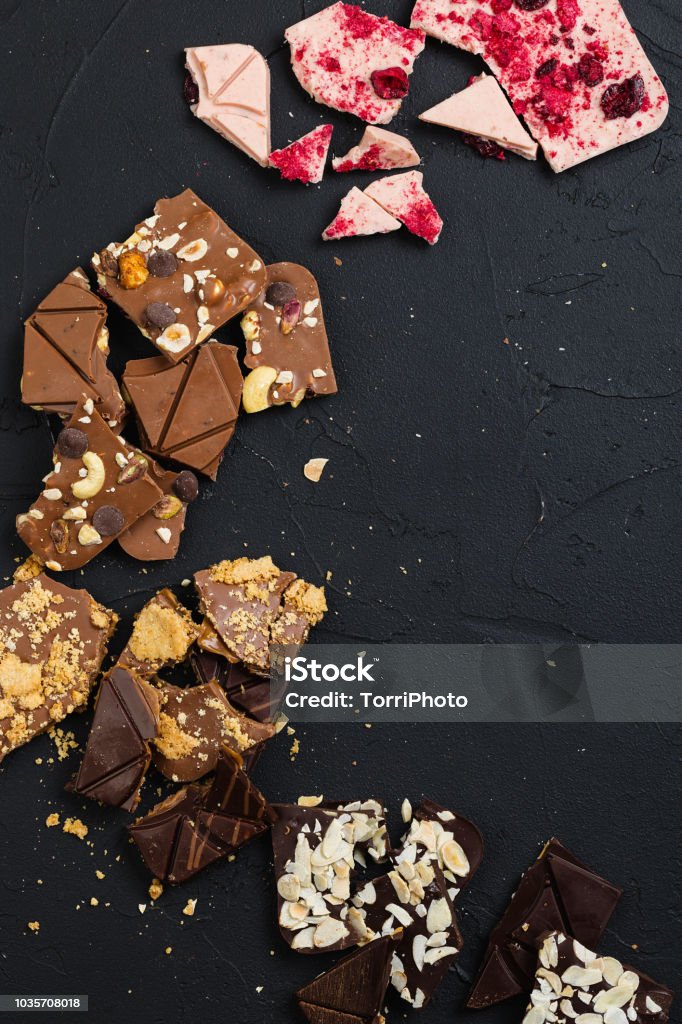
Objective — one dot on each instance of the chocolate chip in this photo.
(108, 520)
(186, 486)
(162, 264)
(279, 293)
(72, 443)
(159, 314)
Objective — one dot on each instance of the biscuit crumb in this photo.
(189, 908)
(94, 902)
(34, 926)
(100, 875)
(75, 827)
(294, 749)
(168, 950)
(155, 889)
(51, 820)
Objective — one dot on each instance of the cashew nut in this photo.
(251, 325)
(256, 394)
(88, 535)
(93, 483)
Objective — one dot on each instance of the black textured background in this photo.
(478, 489)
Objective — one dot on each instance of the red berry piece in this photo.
(486, 147)
(590, 70)
(531, 5)
(547, 68)
(623, 99)
(390, 84)
(190, 90)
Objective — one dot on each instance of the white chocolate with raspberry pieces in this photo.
(573, 69)
(354, 61)
(403, 196)
(483, 110)
(304, 159)
(378, 150)
(359, 215)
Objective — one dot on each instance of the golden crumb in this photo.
(294, 749)
(94, 902)
(52, 820)
(171, 741)
(306, 599)
(100, 875)
(65, 742)
(244, 570)
(75, 827)
(34, 926)
(28, 570)
(168, 950)
(189, 908)
(162, 634)
(155, 889)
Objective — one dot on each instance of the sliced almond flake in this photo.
(314, 468)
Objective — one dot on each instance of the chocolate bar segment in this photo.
(163, 633)
(250, 694)
(447, 839)
(52, 643)
(155, 536)
(557, 893)
(356, 986)
(98, 488)
(187, 412)
(572, 983)
(117, 754)
(285, 333)
(66, 344)
(180, 275)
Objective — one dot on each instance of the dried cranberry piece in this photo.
(531, 5)
(190, 90)
(547, 68)
(486, 147)
(390, 83)
(590, 69)
(623, 99)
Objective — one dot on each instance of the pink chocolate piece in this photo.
(359, 215)
(403, 196)
(335, 53)
(233, 81)
(304, 159)
(378, 150)
(483, 110)
(556, 63)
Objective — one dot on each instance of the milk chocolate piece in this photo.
(60, 527)
(195, 723)
(251, 605)
(285, 331)
(162, 635)
(249, 693)
(117, 754)
(187, 412)
(557, 893)
(66, 344)
(314, 851)
(155, 536)
(52, 643)
(573, 983)
(355, 986)
(216, 274)
(190, 830)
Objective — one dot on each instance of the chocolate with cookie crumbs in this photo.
(251, 694)
(163, 632)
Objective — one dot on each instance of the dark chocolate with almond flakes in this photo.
(449, 839)
(557, 893)
(180, 275)
(354, 988)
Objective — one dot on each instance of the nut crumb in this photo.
(94, 902)
(314, 469)
(155, 889)
(189, 908)
(168, 950)
(100, 875)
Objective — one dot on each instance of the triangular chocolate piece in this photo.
(71, 294)
(494, 983)
(203, 406)
(74, 334)
(357, 984)
(155, 834)
(57, 379)
(588, 900)
(232, 792)
(227, 832)
(544, 916)
(204, 455)
(321, 1015)
(194, 850)
(153, 385)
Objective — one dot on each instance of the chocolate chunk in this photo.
(71, 443)
(117, 754)
(356, 986)
(205, 249)
(162, 264)
(196, 723)
(573, 983)
(77, 489)
(163, 633)
(152, 540)
(448, 839)
(557, 893)
(159, 314)
(52, 643)
(66, 343)
(252, 605)
(187, 412)
(249, 693)
(188, 831)
(233, 793)
(293, 344)
(279, 293)
(108, 520)
(321, 1015)
(186, 486)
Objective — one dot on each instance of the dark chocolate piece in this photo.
(187, 412)
(162, 634)
(355, 986)
(188, 831)
(59, 527)
(117, 754)
(284, 331)
(217, 275)
(557, 893)
(448, 839)
(155, 536)
(321, 1015)
(52, 643)
(66, 344)
(572, 983)
(249, 693)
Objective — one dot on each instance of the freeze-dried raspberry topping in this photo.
(359, 215)
(531, 5)
(590, 70)
(378, 150)
(390, 84)
(403, 196)
(623, 99)
(485, 147)
(304, 159)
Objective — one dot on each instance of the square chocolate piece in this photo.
(180, 275)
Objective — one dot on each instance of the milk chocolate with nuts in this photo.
(162, 635)
(180, 275)
(187, 412)
(286, 341)
(66, 344)
(52, 643)
(252, 604)
(155, 536)
(574, 984)
(98, 488)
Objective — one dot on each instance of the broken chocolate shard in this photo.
(449, 839)
(233, 793)
(155, 536)
(117, 754)
(356, 986)
(557, 890)
(66, 344)
(187, 412)
(162, 634)
(250, 694)
(321, 1015)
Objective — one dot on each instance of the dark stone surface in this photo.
(478, 489)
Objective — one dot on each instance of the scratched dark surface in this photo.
(478, 489)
